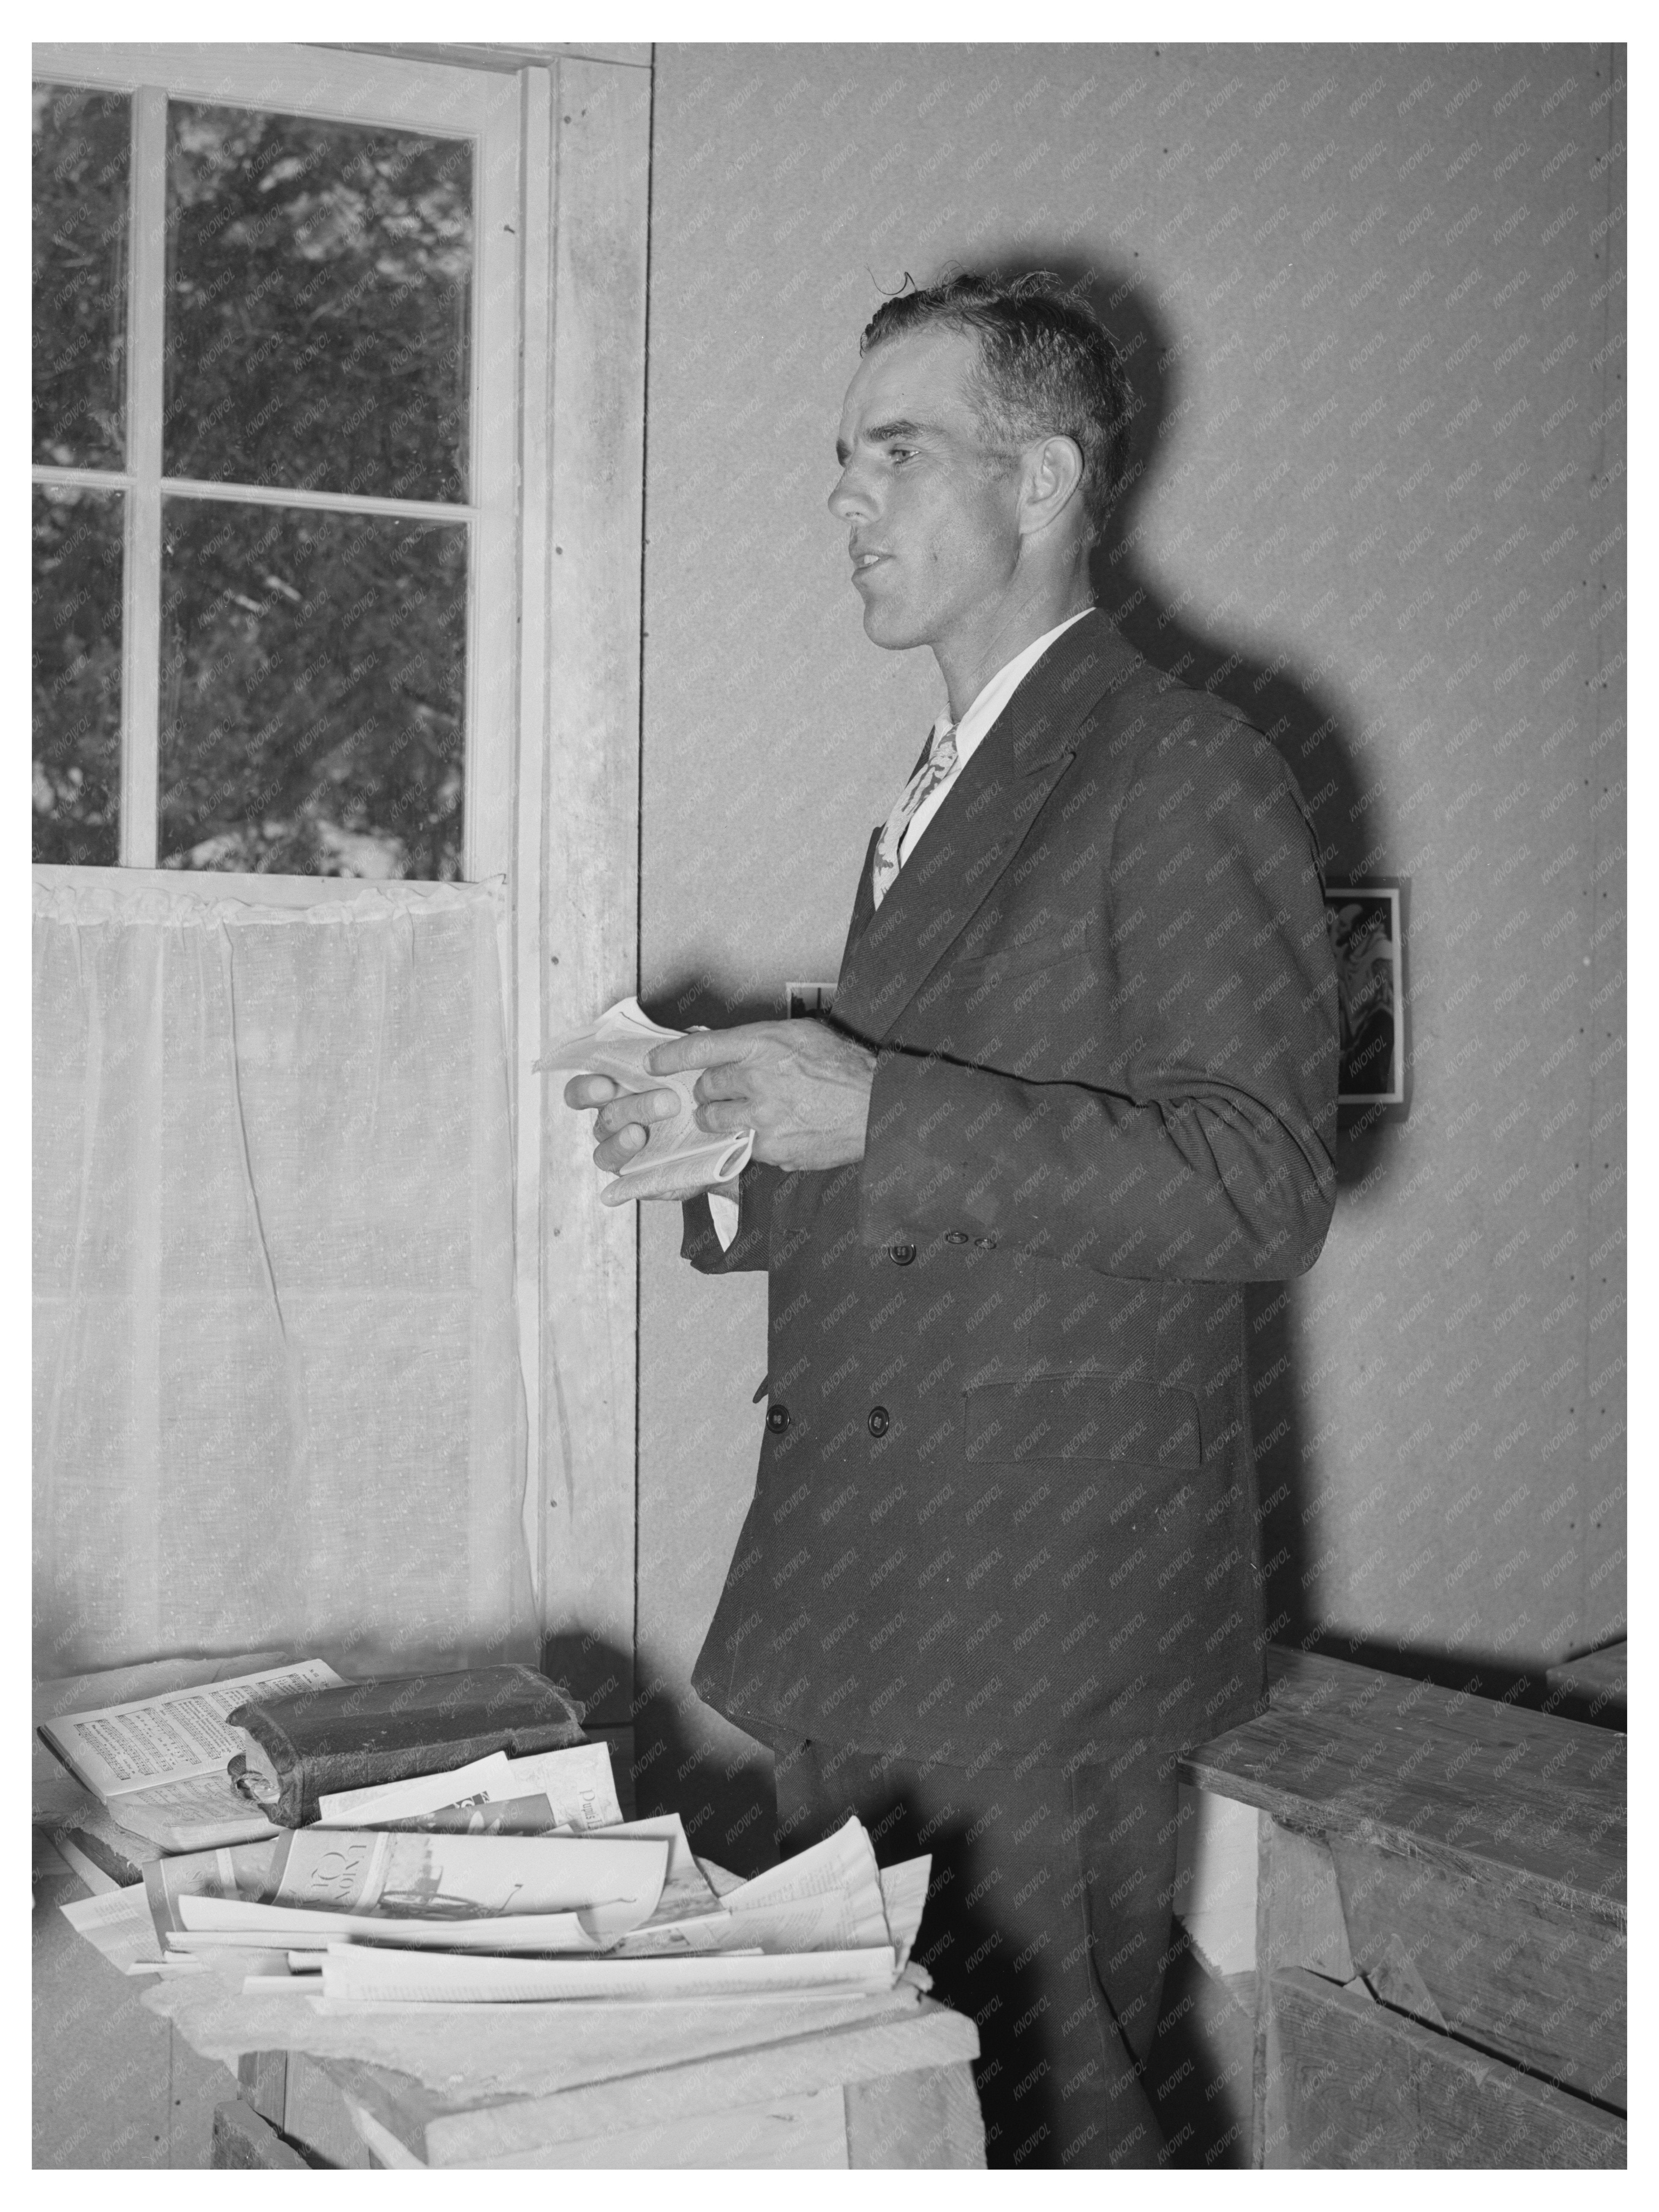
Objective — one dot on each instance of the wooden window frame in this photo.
(556, 513)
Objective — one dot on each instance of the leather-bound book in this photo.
(301, 1747)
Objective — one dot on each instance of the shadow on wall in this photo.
(686, 1758)
(1299, 713)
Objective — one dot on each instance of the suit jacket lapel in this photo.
(973, 840)
(863, 904)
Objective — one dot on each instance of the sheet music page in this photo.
(176, 1737)
(195, 1814)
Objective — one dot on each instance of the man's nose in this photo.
(850, 500)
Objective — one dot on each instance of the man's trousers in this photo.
(1048, 1922)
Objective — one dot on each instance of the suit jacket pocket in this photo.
(1085, 1419)
(1078, 937)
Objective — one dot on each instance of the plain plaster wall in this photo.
(1373, 302)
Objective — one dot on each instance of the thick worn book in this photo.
(158, 1762)
(296, 1749)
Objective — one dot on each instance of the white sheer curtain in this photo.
(277, 1391)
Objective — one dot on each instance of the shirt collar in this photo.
(991, 700)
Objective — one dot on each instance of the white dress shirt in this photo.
(988, 704)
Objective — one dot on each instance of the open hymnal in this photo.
(159, 1763)
(679, 1160)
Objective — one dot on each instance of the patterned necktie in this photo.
(938, 764)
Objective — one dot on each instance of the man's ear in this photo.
(1052, 480)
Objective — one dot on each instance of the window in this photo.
(273, 440)
(507, 189)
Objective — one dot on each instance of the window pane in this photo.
(313, 671)
(318, 284)
(78, 676)
(81, 144)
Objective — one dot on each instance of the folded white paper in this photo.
(359, 1974)
(423, 1793)
(232, 1923)
(678, 1158)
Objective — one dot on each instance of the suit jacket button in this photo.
(986, 1243)
(777, 1418)
(880, 1420)
(902, 1255)
(956, 1236)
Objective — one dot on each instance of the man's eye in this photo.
(900, 453)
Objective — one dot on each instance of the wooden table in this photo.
(130, 2075)
(882, 2086)
(1440, 1924)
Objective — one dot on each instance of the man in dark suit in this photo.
(1078, 1088)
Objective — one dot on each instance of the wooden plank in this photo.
(911, 2123)
(1264, 1944)
(1601, 1447)
(1502, 1964)
(807, 2133)
(456, 2127)
(1304, 1923)
(1352, 2084)
(243, 2142)
(1591, 1687)
(261, 2076)
(1392, 1977)
(1476, 1786)
(318, 2119)
(383, 2146)
(290, 79)
(591, 893)
(535, 222)
(112, 2086)
(140, 615)
(628, 53)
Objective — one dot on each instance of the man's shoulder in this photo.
(1152, 716)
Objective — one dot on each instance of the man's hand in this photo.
(802, 1087)
(622, 1127)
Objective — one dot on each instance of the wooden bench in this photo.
(1439, 1923)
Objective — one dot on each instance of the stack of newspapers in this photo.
(511, 1881)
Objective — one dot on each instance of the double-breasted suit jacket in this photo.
(1005, 1506)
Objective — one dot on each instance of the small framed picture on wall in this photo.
(1363, 921)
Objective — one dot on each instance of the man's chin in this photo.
(887, 627)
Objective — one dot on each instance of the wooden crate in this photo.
(1453, 1868)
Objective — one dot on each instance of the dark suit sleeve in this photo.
(701, 1242)
(1196, 1137)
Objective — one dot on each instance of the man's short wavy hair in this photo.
(1047, 368)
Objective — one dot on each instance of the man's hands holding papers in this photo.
(800, 1089)
(667, 1152)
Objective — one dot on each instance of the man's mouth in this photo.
(863, 563)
